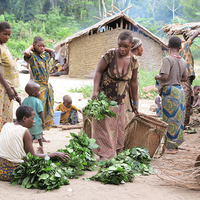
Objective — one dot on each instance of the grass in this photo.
(146, 78)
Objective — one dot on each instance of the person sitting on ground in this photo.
(15, 143)
(57, 67)
(33, 90)
(69, 112)
(64, 70)
(158, 106)
(196, 101)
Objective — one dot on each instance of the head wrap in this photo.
(137, 43)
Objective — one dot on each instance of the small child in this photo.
(33, 90)
(158, 106)
(69, 112)
(196, 101)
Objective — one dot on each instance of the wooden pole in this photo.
(97, 17)
(116, 8)
(100, 8)
(109, 14)
(121, 23)
(104, 7)
(126, 9)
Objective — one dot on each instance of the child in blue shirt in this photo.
(33, 90)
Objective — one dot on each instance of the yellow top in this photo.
(62, 108)
(8, 67)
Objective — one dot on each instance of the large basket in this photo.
(87, 126)
(145, 131)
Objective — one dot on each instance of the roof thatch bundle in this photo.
(186, 30)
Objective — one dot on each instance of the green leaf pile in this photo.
(39, 173)
(98, 109)
(51, 174)
(124, 167)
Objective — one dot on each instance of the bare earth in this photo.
(144, 187)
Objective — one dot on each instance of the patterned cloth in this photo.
(173, 104)
(73, 117)
(6, 107)
(40, 67)
(188, 93)
(113, 84)
(6, 169)
(186, 54)
(68, 114)
(109, 133)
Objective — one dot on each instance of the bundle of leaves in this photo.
(98, 109)
(39, 173)
(124, 167)
(82, 156)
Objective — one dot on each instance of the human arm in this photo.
(28, 147)
(102, 65)
(27, 52)
(134, 89)
(162, 77)
(184, 79)
(17, 98)
(52, 51)
(80, 111)
(157, 101)
(42, 118)
(195, 34)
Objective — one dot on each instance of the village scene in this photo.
(99, 99)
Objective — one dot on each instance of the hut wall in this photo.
(86, 51)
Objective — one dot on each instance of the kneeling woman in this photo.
(15, 143)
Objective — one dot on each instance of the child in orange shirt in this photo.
(69, 112)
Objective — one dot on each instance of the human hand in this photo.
(192, 79)
(11, 93)
(18, 99)
(64, 112)
(43, 125)
(63, 156)
(157, 77)
(94, 96)
(135, 109)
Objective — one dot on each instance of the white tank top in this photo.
(11, 142)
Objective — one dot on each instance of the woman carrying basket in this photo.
(172, 73)
(115, 69)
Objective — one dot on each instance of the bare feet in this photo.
(40, 150)
(44, 140)
(171, 151)
(35, 141)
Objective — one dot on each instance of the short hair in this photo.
(126, 35)
(67, 97)
(23, 111)
(195, 87)
(30, 87)
(36, 39)
(137, 43)
(4, 25)
(175, 42)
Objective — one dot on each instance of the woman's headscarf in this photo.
(137, 43)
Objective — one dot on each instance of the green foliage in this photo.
(85, 89)
(124, 167)
(98, 109)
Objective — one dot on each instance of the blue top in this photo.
(37, 105)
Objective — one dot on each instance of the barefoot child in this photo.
(15, 143)
(9, 77)
(33, 90)
(172, 72)
(69, 112)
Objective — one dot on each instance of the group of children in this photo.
(40, 92)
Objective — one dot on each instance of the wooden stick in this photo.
(97, 17)
(68, 127)
(126, 9)
(109, 14)
(104, 7)
(116, 8)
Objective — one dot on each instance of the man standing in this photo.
(186, 54)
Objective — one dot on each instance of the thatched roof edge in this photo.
(106, 21)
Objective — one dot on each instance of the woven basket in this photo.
(87, 126)
(145, 131)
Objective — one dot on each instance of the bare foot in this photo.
(40, 150)
(35, 141)
(44, 140)
(171, 151)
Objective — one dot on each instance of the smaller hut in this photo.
(86, 47)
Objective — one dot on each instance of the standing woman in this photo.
(9, 77)
(39, 57)
(116, 68)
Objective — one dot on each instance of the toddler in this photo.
(196, 101)
(33, 90)
(69, 112)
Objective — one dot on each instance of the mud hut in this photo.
(86, 47)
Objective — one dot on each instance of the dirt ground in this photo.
(143, 187)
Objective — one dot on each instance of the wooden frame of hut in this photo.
(86, 47)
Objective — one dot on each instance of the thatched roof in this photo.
(97, 26)
(186, 30)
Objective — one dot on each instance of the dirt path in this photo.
(144, 187)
